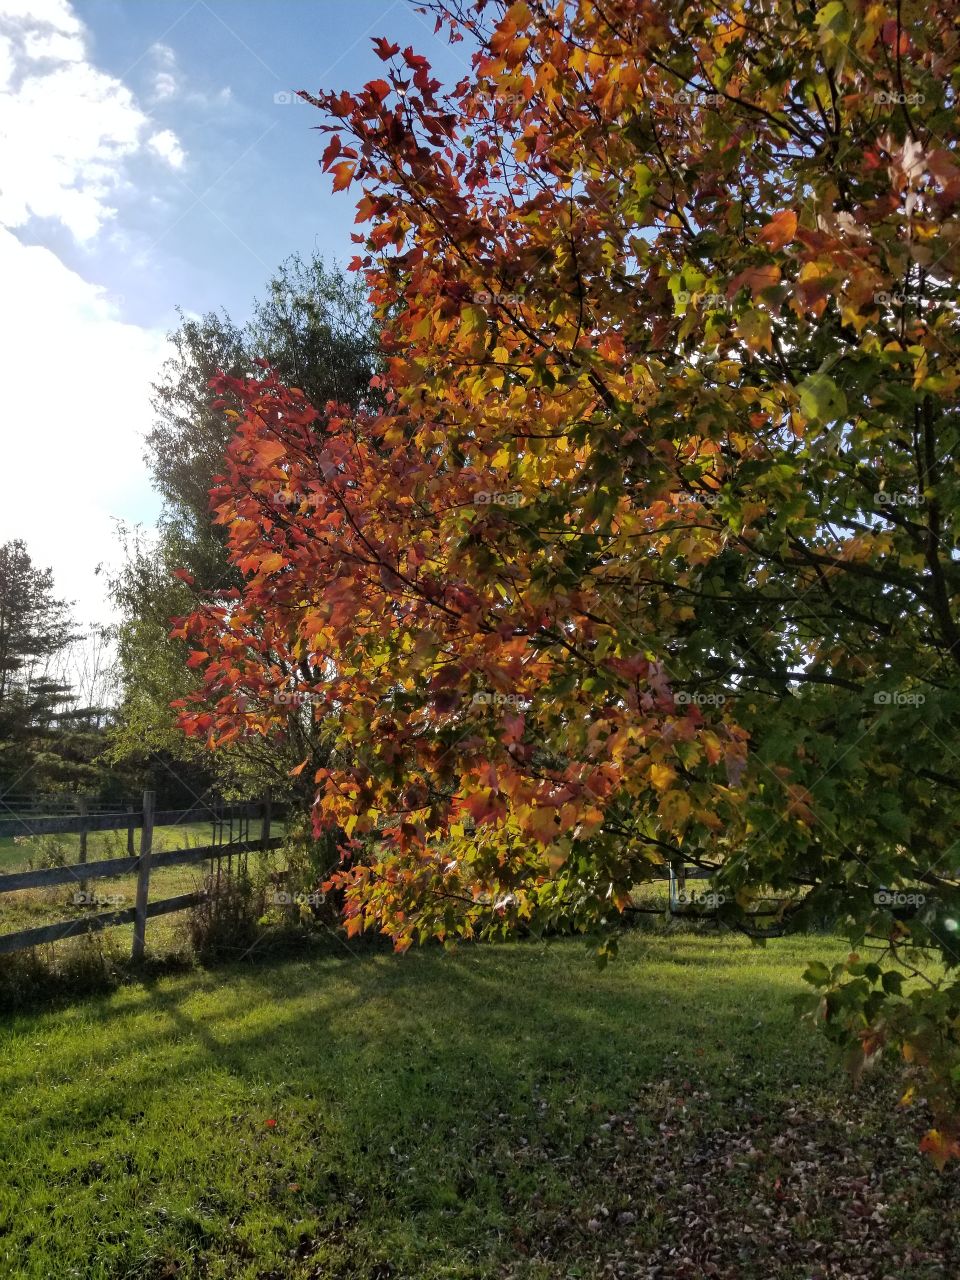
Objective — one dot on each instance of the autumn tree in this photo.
(650, 556)
(312, 325)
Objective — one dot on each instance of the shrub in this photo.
(226, 923)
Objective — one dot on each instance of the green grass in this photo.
(16, 853)
(507, 1111)
(29, 908)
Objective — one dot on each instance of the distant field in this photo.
(17, 852)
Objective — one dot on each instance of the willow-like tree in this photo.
(651, 557)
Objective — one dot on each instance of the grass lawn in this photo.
(16, 854)
(506, 1111)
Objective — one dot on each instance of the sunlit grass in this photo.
(358, 1114)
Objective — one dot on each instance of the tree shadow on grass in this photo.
(442, 1090)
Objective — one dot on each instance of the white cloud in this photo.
(168, 83)
(164, 86)
(74, 415)
(167, 146)
(55, 45)
(46, 13)
(73, 418)
(165, 83)
(68, 128)
(163, 55)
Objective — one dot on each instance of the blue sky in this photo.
(251, 190)
(151, 157)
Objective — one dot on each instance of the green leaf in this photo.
(816, 973)
(821, 400)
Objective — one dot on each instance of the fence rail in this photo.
(146, 820)
(77, 824)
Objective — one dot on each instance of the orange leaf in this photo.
(756, 279)
(940, 1147)
(269, 450)
(297, 769)
(342, 175)
(780, 230)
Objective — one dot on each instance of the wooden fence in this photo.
(145, 820)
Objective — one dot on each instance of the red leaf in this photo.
(332, 150)
(888, 34)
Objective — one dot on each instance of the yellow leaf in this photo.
(661, 775)
(675, 807)
(473, 319)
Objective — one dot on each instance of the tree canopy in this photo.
(649, 555)
(313, 326)
(52, 684)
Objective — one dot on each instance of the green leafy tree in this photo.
(36, 700)
(314, 327)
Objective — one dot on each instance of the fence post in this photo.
(143, 877)
(129, 809)
(265, 821)
(82, 809)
